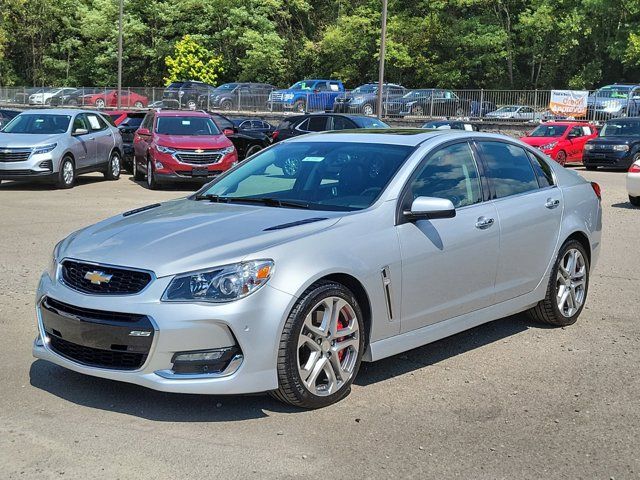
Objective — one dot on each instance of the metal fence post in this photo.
(481, 111)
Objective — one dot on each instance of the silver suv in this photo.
(58, 145)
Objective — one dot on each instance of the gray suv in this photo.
(58, 145)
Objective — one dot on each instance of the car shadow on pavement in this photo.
(435, 352)
(152, 405)
(177, 187)
(26, 186)
(625, 205)
(129, 399)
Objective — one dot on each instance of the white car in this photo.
(633, 183)
(44, 98)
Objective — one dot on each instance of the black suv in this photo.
(364, 98)
(189, 94)
(247, 142)
(319, 122)
(240, 96)
(616, 146)
(430, 102)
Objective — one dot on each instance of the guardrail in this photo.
(494, 105)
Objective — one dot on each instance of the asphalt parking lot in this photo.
(509, 399)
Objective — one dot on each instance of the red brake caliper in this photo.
(341, 326)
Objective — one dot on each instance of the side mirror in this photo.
(229, 131)
(430, 208)
(143, 131)
(80, 131)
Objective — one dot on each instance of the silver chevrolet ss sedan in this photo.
(382, 242)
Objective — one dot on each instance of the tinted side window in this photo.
(576, 132)
(543, 171)
(450, 173)
(341, 123)
(317, 124)
(509, 168)
(304, 125)
(80, 122)
(147, 122)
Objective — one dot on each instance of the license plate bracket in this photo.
(200, 172)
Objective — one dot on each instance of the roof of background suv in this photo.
(181, 113)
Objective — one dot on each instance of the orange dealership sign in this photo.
(572, 103)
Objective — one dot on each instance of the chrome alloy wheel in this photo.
(115, 165)
(571, 282)
(328, 346)
(149, 173)
(67, 172)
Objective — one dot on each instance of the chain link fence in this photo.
(397, 102)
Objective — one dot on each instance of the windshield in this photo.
(366, 89)
(227, 87)
(507, 109)
(303, 85)
(549, 131)
(612, 92)
(316, 175)
(186, 126)
(44, 123)
(620, 128)
(418, 94)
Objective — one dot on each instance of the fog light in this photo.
(203, 361)
(159, 165)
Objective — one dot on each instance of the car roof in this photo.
(62, 111)
(181, 113)
(394, 136)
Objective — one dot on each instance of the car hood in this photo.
(539, 141)
(193, 141)
(27, 140)
(185, 235)
(617, 140)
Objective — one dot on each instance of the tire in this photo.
(635, 201)
(100, 103)
(73, 103)
(252, 150)
(113, 167)
(548, 310)
(418, 111)
(561, 157)
(152, 183)
(226, 105)
(191, 105)
(590, 167)
(367, 109)
(67, 173)
(299, 106)
(137, 174)
(302, 351)
(138, 104)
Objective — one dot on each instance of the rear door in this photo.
(341, 123)
(449, 264)
(529, 207)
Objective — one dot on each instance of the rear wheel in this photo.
(100, 103)
(113, 168)
(635, 201)
(67, 173)
(567, 289)
(253, 149)
(321, 347)
(226, 105)
(138, 104)
(137, 174)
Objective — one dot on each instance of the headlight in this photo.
(588, 146)
(621, 148)
(219, 285)
(288, 96)
(548, 146)
(168, 150)
(44, 149)
(52, 268)
(227, 151)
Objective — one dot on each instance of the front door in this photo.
(530, 208)
(84, 149)
(448, 265)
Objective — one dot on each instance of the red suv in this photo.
(562, 141)
(180, 146)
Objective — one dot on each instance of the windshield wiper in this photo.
(212, 198)
(270, 202)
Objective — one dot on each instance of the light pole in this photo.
(120, 55)
(383, 41)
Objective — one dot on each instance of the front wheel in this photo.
(321, 347)
(152, 183)
(113, 168)
(299, 106)
(67, 173)
(367, 109)
(226, 105)
(567, 289)
(138, 104)
(100, 103)
(137, 174)
(561, 157)
(252, 150)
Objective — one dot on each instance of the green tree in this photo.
(193, 61)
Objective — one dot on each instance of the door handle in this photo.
(484, 222)
(551, 203)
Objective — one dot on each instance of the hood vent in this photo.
(295, 224)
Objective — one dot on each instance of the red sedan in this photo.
(109, 98)
(562, 141)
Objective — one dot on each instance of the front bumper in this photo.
(610, 159)
(633, 184)
(253, 324)
(42, 166)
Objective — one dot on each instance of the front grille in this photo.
(14, 154)
(121, 282)
(89, 313)
(96, 357)
(205, 158)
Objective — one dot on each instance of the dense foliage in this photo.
(454, 43)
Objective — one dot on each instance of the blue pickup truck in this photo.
(307, 96)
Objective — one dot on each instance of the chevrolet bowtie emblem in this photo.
(199, 150)
(97, 278)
